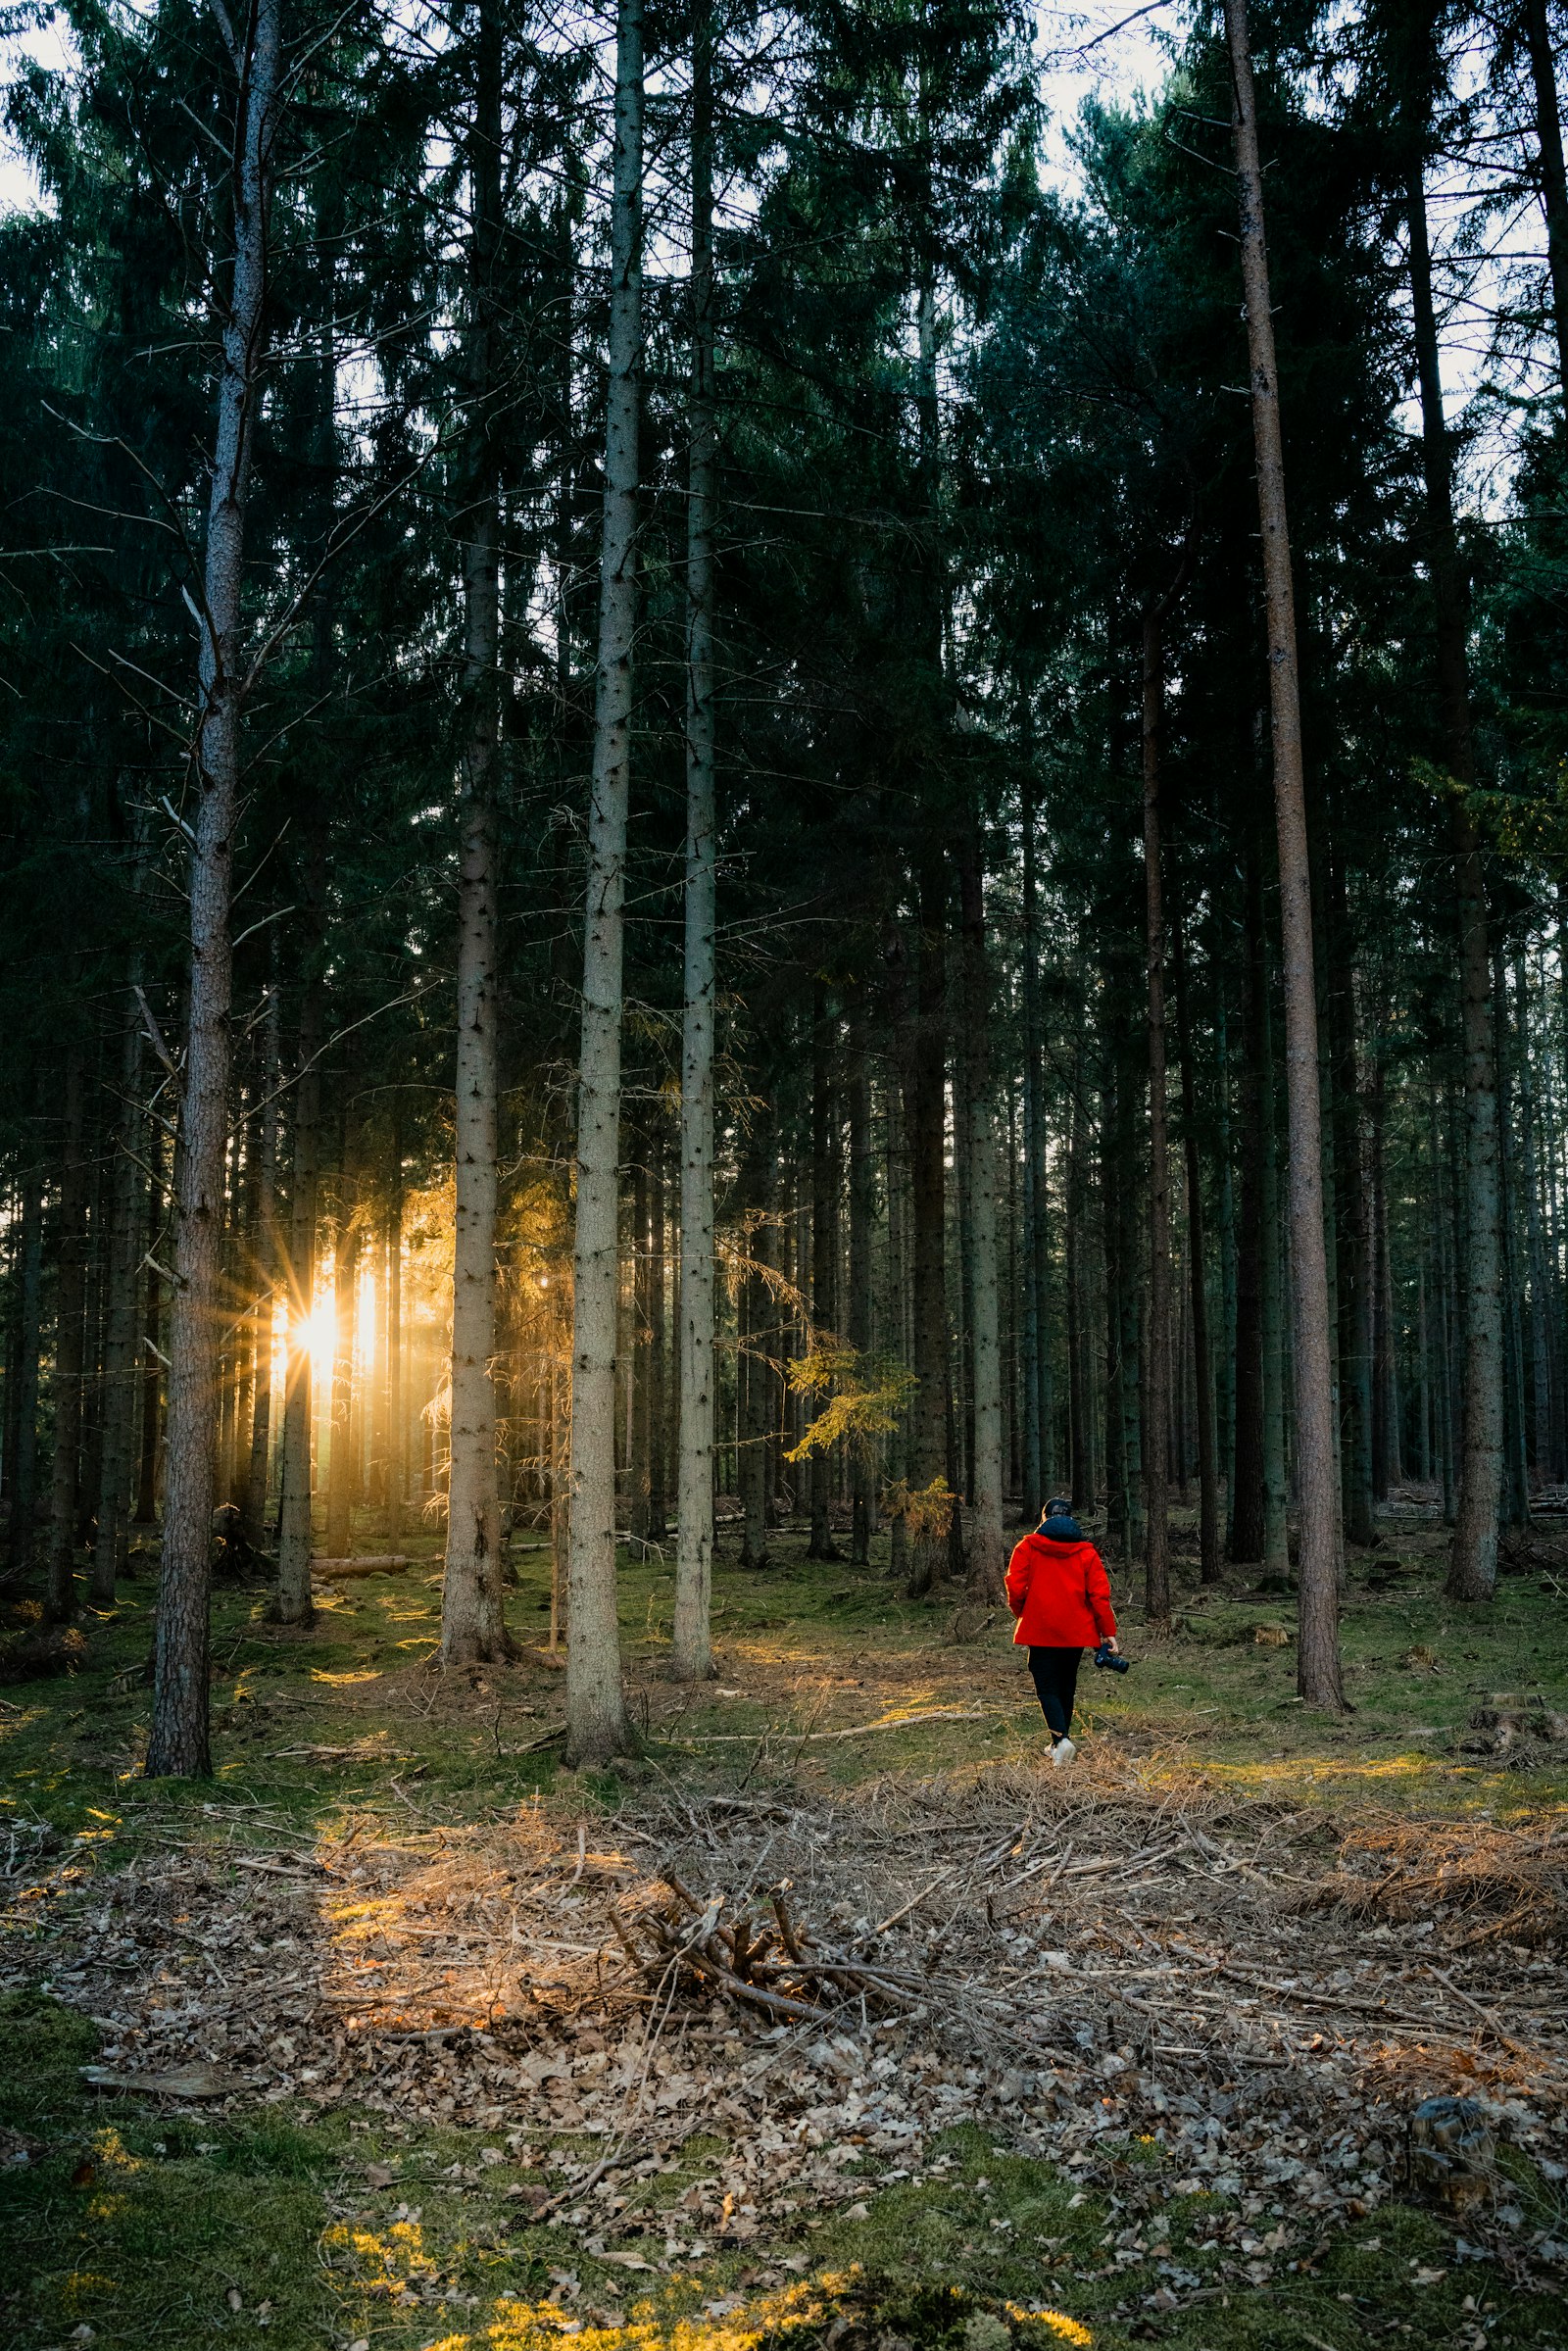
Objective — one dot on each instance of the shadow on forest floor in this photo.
(1134, 2063)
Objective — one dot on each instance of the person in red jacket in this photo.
(1058, 1590)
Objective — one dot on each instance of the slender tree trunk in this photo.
(1156, 1346)
(293, 1604)
(24, 1466)
(863, 1216)
(1553, 178)
(71, 1282)
(927, 1139)
(988, 1549)
(397, 1434)
(657, 1343)
(119, 1320)
(342, 1482)
(824, 1316)
(637, 1401)
(1355, 1404)
(1473, 1568)
(265, 1274)
(597, 1725)
(1276, 1492)
(1318, 1674)
(1198, 1267)
(473, 1622)
(1036, 1440)
(1516, 1482)
(1248, 1503)
(754, 1470)
(178, 1746)
(1534, 1239)
(1080, 1449)
(153, 1358)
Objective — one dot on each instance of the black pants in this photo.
(1055, 1673)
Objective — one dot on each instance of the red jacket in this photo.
(1060, 1594)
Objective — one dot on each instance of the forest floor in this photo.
(384, 2040)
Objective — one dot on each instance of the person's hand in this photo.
(1113, 1644)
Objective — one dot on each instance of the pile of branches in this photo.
(767, 1960)
(1477, 1886)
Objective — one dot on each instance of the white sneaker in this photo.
(1061, 1752)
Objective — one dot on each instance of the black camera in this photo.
(1108, 1659)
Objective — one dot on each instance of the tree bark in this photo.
(693, 1557)
(119, 1320)
(988, 1552)
(1036, 1440)
(342, 1465)
(597, 1724)
(863, 1217)
(152, 1372)
(292, 1603)
(473, 1622)
(754, 1470)
(1473, 1567)
(1534, 1240)
(926, 1126)
(823, 1243)
(1157, 1345)
(265, 1273)
(24, 1466)
(396, 1434)
(1246, 1519)
(70, 1284)
(1198, 1267)
(1318, 1671)
(1553, 178)
(1356, 1394)
(178, 1744)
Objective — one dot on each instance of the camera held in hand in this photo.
(1106, 1659)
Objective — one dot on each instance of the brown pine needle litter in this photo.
(824, 1979)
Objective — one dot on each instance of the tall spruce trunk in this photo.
(988, 1548)
(342, 1465)
(862, 1220)
(1209, 1536)
(396, 1434)
(1037, 1465)
(473, 1622)
(818, 1469)
(150, 1442)
(1355, 1391)
(112, 1540)
(263, 1273)
(657, 1340)
(1276, 1493)
(597, 1724)
(926, 1120)
(71, 1302)
(25, 1462)
(1247, 1512)
(179, 1743)
(1473, 1567)
(924, 1068)
(292, 1603)
(1536, 1254)
(692, 1645)
(1156, 1346)
(1319, 1673)
(1553, 178)
(754, 1469)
